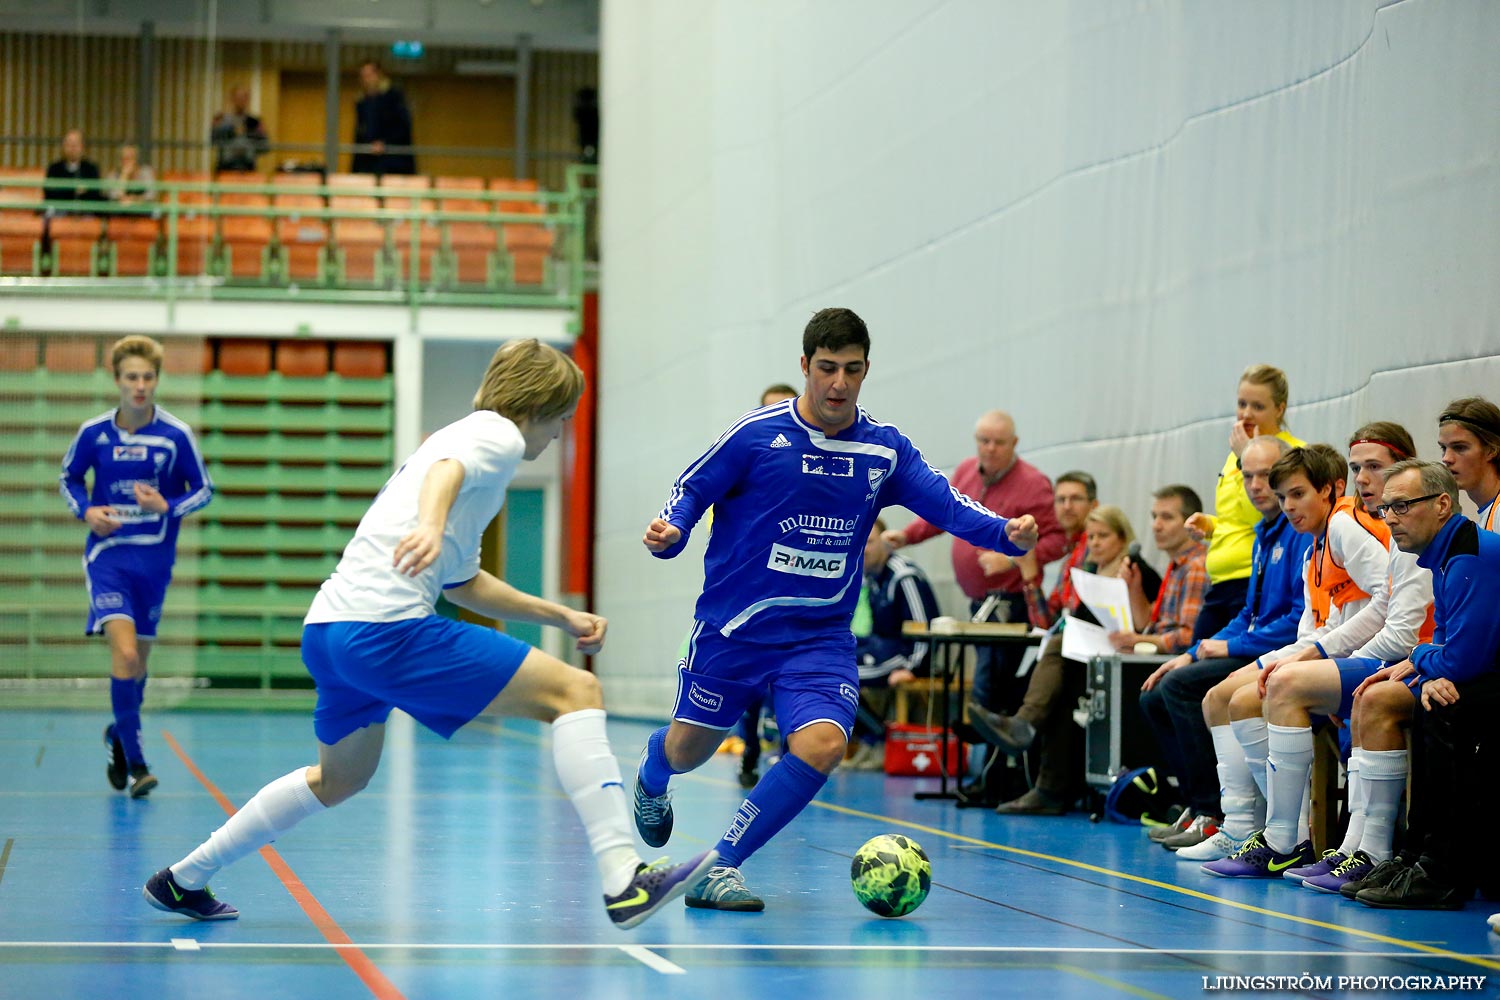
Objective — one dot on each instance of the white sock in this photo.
(1252, 738)
(274, 810)
(1236, 789)
(1356, 787)
(589, 773)
(1384, 777)
(1288, 763)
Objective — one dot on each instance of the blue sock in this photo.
(656, 771)
(125, 699)
(784, 792)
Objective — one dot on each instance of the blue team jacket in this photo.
(792, 510)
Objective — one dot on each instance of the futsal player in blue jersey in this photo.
(795, 487)
(373, 641)
(148, 475)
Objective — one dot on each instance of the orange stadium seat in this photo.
(246, 238)
(245, 357)
(19, 353)
(74, 240)
(195, 233)
(20, 226)
(302, 240)
(71, 354)
(429, 237)
(529, 246)
(133, 240)
(187, 356)
(302, 358)
(474, 245)
(359, 244)
(359, 359)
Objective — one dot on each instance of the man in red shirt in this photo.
(1007, 484)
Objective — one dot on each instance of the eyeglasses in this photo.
(1402, 507)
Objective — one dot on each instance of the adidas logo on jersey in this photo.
(781, 442)
(103, 438)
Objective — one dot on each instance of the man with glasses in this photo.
(1456, 677)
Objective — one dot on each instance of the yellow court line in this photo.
(1168, 886)
(1114, 983)
(1110, 872)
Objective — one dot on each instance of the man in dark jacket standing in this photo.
(381, 120)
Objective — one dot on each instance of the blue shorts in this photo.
(439, 671)
(815, 680)
(1352, 673)
(125, 589)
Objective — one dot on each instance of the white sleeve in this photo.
(1368, 563)
(1411, 599)
(486, 444)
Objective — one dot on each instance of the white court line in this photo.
(186, 944)
(650, 958)
(669, 946)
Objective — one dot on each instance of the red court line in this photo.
(357, 960)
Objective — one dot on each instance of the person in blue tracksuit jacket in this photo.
(1454, 690)
(795, 487)
(148, 476)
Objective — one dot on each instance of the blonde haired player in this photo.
(373, 642)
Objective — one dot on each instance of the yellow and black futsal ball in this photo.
(891, 875)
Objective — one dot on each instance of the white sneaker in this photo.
(1220, 845)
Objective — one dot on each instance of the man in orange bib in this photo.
(1347, 571)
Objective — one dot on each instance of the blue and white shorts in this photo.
(127, 589)
(814, 680)
(441, 672)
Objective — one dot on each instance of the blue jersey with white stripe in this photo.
(163, 454)
(792, 509)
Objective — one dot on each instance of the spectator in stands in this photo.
(130, 181)
(381, 120)
(897, 592)
(1000, 480)
(1260, 408)
(1383, 713)
(238, 136)
(1045, 718)
(1322, 678)
(586, 119)
(1347, 570)
(1456, 676)
(1169, 613)
(148, 475)
(1172, 697)
(1469, 435)
(64, 175)
(1075, 497)
(750, 721)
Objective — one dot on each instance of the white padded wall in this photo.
(1094, 215)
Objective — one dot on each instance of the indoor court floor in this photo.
(463, 872)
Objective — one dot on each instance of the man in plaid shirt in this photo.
(1171, 616)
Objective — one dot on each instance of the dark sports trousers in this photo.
(1454, 751)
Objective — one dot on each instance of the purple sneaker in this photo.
(654, 886)
(1257, 859)
(163, 892)
(1356, 866)
(1330, 860)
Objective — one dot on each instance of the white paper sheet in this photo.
(1107, 597)
(1082, 641)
